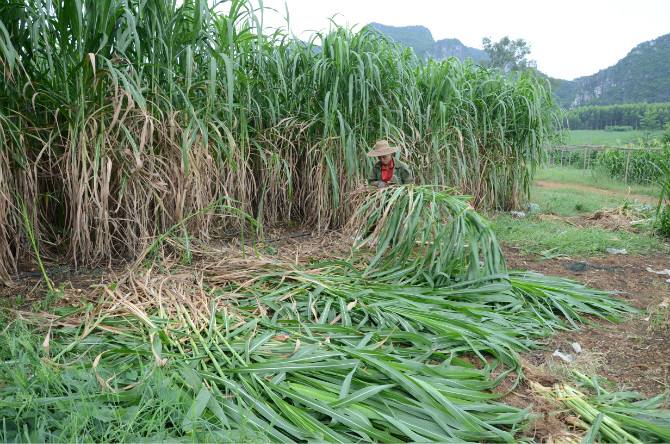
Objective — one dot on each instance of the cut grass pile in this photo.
(391, 345)
(614, 416)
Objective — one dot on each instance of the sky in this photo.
(568, 39)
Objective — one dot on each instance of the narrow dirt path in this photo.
(580, 187)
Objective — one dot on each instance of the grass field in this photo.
(542, 234)
(594, 178)
(555, 238)
(610, 138)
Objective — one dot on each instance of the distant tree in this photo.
(507, 54)
(646, 116)
(650, 119)
(665, 138)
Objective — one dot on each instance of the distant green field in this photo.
(546, 236)
(611, 138)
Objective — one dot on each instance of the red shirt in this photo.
(387, 171)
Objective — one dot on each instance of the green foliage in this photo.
(663, 221)
(663, 208)
(507, 54)
(619, 128)
(649, 116)
(584, 159)
(613, 138)
(636, 166)
(175, 105)
(651, 119)
(665, 138)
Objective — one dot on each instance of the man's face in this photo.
(386, 159)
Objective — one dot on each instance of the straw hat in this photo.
(382, 148)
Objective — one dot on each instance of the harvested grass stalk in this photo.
(614, 416)
(334, 350)
(426, 233)
(321, 353)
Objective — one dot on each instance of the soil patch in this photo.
(633, 353)
(551, 422)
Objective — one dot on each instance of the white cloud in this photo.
(570, 38)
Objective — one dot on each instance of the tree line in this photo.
(646, 116)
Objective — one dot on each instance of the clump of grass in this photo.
(152, 111)
(588, 362)
(427, 233)
(663, 221)
(663, 207)
(530, 234)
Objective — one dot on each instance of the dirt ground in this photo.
(634, 353)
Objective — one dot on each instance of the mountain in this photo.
(454, 48)
(421, 40)
(642, 76)
(417, 37)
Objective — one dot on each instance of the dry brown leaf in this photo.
(46, 342)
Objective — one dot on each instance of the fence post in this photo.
(625, 179)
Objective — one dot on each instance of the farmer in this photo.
(388, 171)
